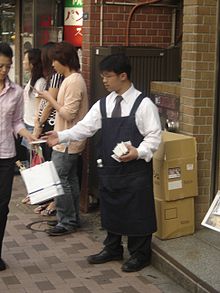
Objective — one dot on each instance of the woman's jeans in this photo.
(7, 168)
(67, 205)
(25, 143)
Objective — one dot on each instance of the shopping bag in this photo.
(42, 182)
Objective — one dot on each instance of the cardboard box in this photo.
(174, 218)
(175, 167)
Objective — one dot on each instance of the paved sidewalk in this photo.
(39, 263)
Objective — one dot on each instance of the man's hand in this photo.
(51, 137)
(131, 155)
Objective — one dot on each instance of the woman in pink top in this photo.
(11, 123)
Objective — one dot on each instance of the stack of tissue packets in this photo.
(120, 150)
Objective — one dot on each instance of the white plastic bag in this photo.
(42, 182)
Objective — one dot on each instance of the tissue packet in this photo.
(120, 150)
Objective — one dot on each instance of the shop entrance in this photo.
(215, 163)
(41, 23)
(7, 28)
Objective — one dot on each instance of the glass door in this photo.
(45, 22)
(7, 28)
(27, 34)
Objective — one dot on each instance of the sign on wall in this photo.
(212, 217)
(73, 21)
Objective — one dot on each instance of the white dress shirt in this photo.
(146, 118)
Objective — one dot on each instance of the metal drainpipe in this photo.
(130, 16)
(133, 4)
(101, 24)
(173, 32)
(101, 20)
(216, 127)
(102, 16)
(133, 9)
(120, 3)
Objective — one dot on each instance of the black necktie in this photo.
(117, 109)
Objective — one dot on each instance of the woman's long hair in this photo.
(46, 58)
(34, 57)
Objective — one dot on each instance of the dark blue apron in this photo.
(125, 189)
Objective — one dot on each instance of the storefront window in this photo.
(27, 33)
(38, 25)
(7, 28)
(44, 22)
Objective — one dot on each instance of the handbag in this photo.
(42, 182)
(36, 156)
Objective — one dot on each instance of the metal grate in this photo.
(148, 64)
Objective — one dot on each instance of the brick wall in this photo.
(149, 26)
(197, 88)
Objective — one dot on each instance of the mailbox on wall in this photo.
(168, 105)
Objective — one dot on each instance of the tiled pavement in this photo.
(39, 263)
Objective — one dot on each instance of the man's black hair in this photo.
(66, 54)
(117, 63)
(6, 50)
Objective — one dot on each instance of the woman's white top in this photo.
(31, 101)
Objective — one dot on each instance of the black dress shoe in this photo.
(2, 265)
(59, 231)
(102, 257)
(52, 223)
(134, 264)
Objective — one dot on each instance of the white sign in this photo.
(212, 217)
(73, 16)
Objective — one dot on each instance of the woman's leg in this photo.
(6, 179)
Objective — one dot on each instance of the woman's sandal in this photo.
(26, 200)
(50, 210)
(40, 208)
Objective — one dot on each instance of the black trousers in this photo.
(7, 168)
(138, 246)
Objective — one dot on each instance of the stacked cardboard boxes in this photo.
(175, 185)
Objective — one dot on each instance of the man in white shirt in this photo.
(126, 184)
